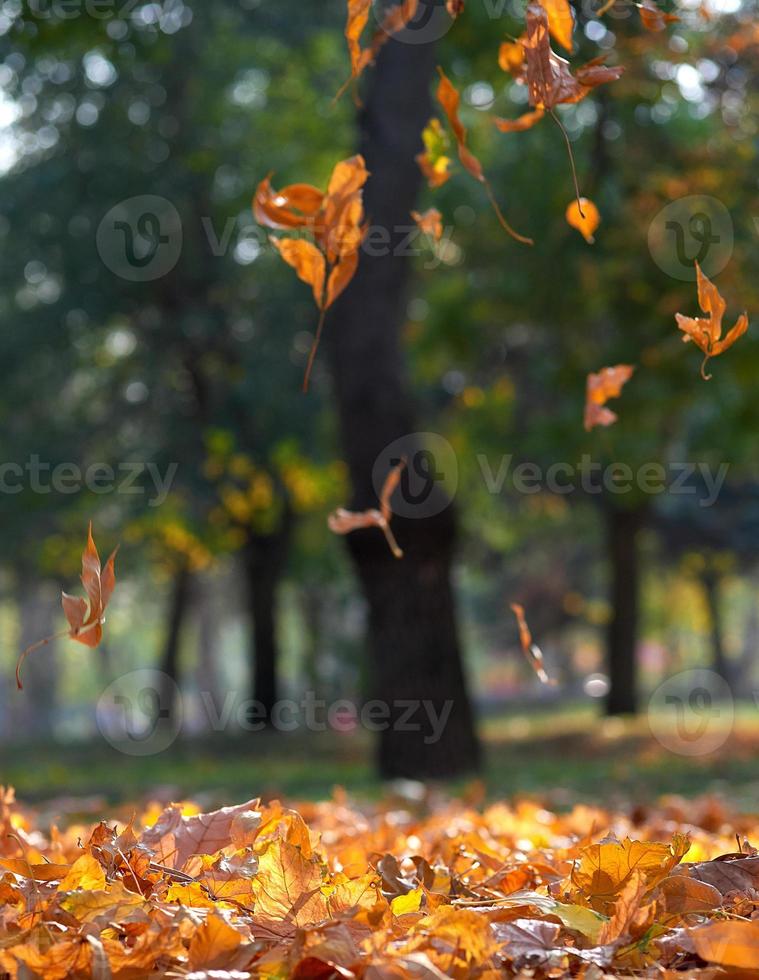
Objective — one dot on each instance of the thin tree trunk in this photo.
(264, 559)
(413, 641)
(177, 613)
(623, 527)
(720, 663)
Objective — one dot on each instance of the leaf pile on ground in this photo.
(406, 888)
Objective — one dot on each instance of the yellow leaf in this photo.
(410, 902)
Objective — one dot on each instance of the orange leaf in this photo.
(85, 616)
(526, 121)
(449, 99)
(531, 650)
(606, 384)
(585, 217)
(430, 223)
(706, 332)
(728, 943)
(294, 206)
(560, 21)
(308, 262)
(511, 57)
(340, 276)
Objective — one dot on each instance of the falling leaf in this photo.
(449, 98)
(85, 616)
(531, 650)
(309, 263)
(550, 81)
(358, 12)
(560, 21)
(454, 7)
(344, 521)
(706, 332)
(511, 57)
(606, 384)
(585, 217)
(654, 19)
(430, 223)
(334, 220)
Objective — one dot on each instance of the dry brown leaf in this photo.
(706, 332)
(85, 616)
(343, 521)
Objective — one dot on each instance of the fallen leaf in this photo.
(728, 943)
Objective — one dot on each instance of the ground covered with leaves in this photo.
(417, 886)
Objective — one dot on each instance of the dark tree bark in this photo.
(623, 527)
(179, 603)
(413, 641)
(264, 559)
(720, 663)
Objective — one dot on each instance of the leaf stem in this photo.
(571, 160)
(314, 348)
(503, 222)
(31, 649)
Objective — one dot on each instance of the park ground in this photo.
(561, 755)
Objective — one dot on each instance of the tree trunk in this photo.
(264, 559)
(178, 607)
(623, 527)
(720, 663)
(413, 639)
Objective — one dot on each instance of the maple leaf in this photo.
(706, 332)
(85, 616)
(602, 386)
(449, 98)
(344, 521)
(531, 650)
(328, 260)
